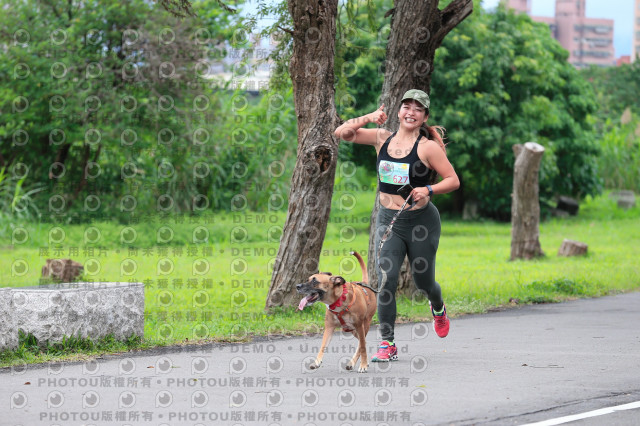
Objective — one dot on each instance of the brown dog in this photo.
(350, 305)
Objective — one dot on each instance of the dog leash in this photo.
(366, 286)
(387, 233)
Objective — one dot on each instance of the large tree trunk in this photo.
(312, 75)
(525, 206)
(417, 30)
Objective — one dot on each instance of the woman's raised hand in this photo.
(378, 116)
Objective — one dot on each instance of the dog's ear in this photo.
(325, 273)
(337, 280)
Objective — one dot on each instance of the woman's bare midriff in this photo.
(395, 202)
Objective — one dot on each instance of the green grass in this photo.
(227, 303)
(70, 349)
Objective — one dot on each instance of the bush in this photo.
(500, 79)
(619, 163)
(15, 200)
(97, 125)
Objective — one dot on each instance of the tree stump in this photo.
(572, 248)
(64, 270)
(525, 205)
(406, 285)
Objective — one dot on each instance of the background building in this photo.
(523, 6)
(635, 49)
(588, 40)
(625, 59)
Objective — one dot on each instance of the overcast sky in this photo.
(621, 11)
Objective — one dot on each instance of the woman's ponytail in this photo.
(435, 133)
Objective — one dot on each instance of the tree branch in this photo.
(83, 179)
(61, 156)
(178, 8)
(286, 30)
(184, 8)
(452, 15)
(390, 12)
(95, 157)
(227, 8)
(52, 6)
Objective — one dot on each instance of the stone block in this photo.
(569, 205)
(470, 210)
(93, 310)
(625, 199)
(8, 332)
(559, 213)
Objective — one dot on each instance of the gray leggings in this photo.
(415, 234)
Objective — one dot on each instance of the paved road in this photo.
(512, 367)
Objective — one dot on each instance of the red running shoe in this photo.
(386, 353)
(441, 322)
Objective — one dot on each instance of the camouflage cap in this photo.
(418, 96)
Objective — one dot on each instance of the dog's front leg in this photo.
(329, 327)
(356, 332)
(361, 352)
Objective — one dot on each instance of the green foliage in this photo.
(500, 79)
(112, 113)
(255, 153)
(14, 199)
(619, 162)
(617, 88)
(605, 208)
(280, 30)
(27, 341)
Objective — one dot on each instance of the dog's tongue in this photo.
(303, 303)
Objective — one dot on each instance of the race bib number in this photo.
(393, 173)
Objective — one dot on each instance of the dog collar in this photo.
(342, 298)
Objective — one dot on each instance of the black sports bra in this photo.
(395, 172)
